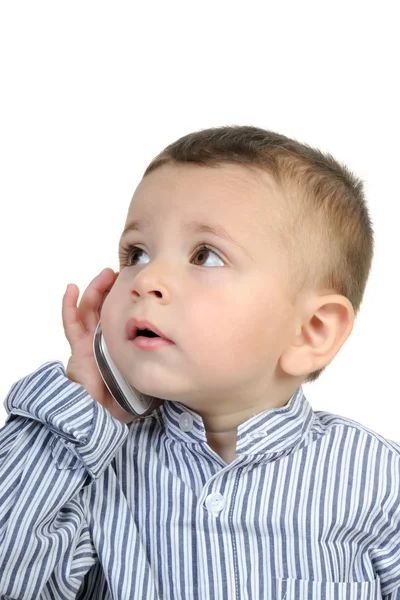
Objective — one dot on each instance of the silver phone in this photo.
(128, 397)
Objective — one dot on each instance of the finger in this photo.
(73, 328)
(93, 298)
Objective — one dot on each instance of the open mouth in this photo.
(146, 333)
(135, 328)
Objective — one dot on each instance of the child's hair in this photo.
(326, 231)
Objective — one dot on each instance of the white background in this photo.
(92, 91)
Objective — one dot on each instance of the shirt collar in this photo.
(273, 430)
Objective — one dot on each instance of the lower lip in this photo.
(151, 343)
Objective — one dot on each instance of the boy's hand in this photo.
(79, 328)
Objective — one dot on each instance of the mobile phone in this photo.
(128, 397)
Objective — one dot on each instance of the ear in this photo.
(323, 328)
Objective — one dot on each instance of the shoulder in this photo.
(341, 425)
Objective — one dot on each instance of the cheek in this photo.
(216, 323)
(254, 324)
(110, 307)
(113, 329)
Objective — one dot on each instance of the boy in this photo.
(249, 253)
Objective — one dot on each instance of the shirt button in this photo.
(186, 422)
(215, 503)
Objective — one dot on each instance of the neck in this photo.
(223, 443)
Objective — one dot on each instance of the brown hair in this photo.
(327, 231)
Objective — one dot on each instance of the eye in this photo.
(204, 250)
(128, 255)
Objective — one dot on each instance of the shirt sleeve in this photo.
(385, 554)
(56, 440)
(393, 596)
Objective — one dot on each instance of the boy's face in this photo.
(226, 309)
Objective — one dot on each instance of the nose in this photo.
(151, 281)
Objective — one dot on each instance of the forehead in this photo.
(230, 195)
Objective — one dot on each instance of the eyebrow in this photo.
(192, 226)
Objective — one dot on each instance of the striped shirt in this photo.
(92, 508)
